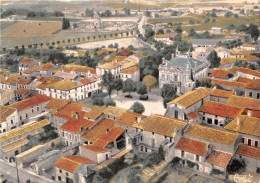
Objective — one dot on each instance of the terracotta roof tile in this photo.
(94, 148)
(22, 91)
(222, 93)
(254, 113)
(56, 103)
(212, 134)
(6, 111)
(76, 68)
(161, 125)
(77, 126)
(191, 97)
(217, 73)
(114, 111)
(72, 163)
(219, 158)
(93, 114)
(244, 80)
(248, 125)
(128, 118)
(126, 52)
(249, 71)
(119, 59)
(248, 103)
(32, 101)
(251, 152)
(27, 60)
(193, 115)
(101, 51)
(14, 145)
(254, 85)
(130, 70)
(69, 111)
(192, 146)
(28, 71)
(24, 81)
(23, 130)
(63, 85)
(220, 109)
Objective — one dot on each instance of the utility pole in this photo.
(17, 170)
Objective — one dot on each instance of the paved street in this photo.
(10, 173)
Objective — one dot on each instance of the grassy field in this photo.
(222, 22)
(30, 28)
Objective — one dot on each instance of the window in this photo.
(67, 174)
(153, 142)
(106, 156)
(250, 94)
(168, 77)
(70, 136)
(59, 178)
(152, 133)
(142, 148)
(216, 122)
(258, 95)
(60, 171)
(136, 129)
(12, 121)
(145, 149)
(163, 76)
(175, 114)
(175, 78)
(21, 117)
(32, 110)
(249, 142)
(26, 115)
(141, 138)
(256, 144)
(37, 108)
(182, 153)
(198, 167)
(170, 139)
(243, 140)
(203, 118)
(209, 121)
(197, 157)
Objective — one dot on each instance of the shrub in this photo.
(191, 164)
(153, 158)
(162, 178)
(236, 166)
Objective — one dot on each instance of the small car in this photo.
(143, 97)
(128, 96)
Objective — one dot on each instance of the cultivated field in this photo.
(30, 28)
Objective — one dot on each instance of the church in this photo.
(182, 71)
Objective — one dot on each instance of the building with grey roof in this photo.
(182, 71)
(205, 43)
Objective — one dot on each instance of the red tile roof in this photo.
(220, 109)
(130, 70)
(56, 103)
(254, 113)
(24, 81)
(77, 126)
(193, 115)
(254, 85)
(28, 71)
(126, 52)
(72, 163)
(221, 93)
(27, 60)
(248, 103)
(128, 118)
(192, 146)
(44, 67)
(251, 152)
(95, 148)
(219, 158)
(69, 111)
(32, 101)
(5, 112)
(22, 91)
(217, 73)
(249, 71)
(102, 51)
(119, 58)
(244, 80)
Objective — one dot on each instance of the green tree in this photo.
(107, 79)
(160, 31)
(118, 84)
(191, 22)
(168, 93)
(253, 31)
(65, 23)
(110, 102)
(178, 29)
(141, 88)
(214, 59)
(128, 86)
(138, 108)
(192, 32)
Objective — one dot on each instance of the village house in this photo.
(251, 105)
(204, 43)
(10, 83)
(6, 96)
(181, 71)
(26, 63)
(9, 119)
(22, 93)
(65, 75)
(72, 130)
(68, 168)
(11, 142)
(136, 57)
(216, 30)
(218, 114)
(248, 127)
(221, 96)
(248, 73)
(190, 102)
(221, 74)
(249, 47)
(251, 156)
(102, 141)
(44, 70)
(155, 131)
(132, 73)
(125, 52)
(113, 112)
(23, 83)
(222, 147)
(30, 107)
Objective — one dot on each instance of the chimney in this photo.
(249, 113)
(238, 120)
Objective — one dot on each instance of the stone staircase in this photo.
(151, 172)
